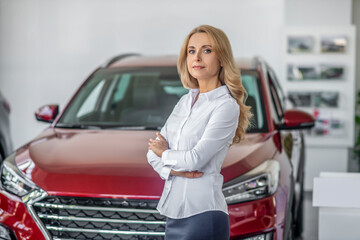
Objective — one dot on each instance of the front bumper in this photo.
(258, 219)
(248, 220)
(60, 217)
(15, 216)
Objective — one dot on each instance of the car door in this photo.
(293, 145)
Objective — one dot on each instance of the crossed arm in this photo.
(218, 133)
(159, 145)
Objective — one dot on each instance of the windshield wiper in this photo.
(131, 127)
(105, 126)
(77, 126)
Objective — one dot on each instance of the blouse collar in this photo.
(211, 95)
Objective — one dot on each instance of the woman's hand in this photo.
(158, 146)
(193, 174)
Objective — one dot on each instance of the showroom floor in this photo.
(311, 219)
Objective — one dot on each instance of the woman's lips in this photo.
(198, 67)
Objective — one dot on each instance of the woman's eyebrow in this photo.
(203, 46)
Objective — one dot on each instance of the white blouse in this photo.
(198, 137)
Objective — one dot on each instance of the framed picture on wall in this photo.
(337, 127)
(300, 44)
(301, 72)
(314, 99)
(331, 72)
(333, 44)
(326, 99)
(318, 66)
(300, 99)
(326, 125)
(322, 127)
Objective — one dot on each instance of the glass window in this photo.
(142, 97)
(253, 100)
(126, 97)
(90, 102)
(277, 95)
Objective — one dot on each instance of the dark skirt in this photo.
(211, 225)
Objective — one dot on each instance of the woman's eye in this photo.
(191, 51)
(207, 50)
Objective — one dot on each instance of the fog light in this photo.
(265, 236)
(6, 234)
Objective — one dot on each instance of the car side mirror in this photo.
(47, 113)
(296, 119)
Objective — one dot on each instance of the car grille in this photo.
(68, 218)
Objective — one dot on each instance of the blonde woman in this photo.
(191, 147)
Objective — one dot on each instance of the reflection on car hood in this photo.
(107, 162)
(93, 152)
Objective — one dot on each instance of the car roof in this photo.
(136, 60)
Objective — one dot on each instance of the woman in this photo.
(191, 147)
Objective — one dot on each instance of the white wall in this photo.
(318, 12)
(330, 15)
(48, 48)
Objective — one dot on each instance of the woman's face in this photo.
(202, 61)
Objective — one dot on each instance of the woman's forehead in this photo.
(199, 40)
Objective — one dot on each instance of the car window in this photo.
(253, 100)
(126, 97)
(143, 96)
(90, 101)
(122, 87)
(277, 95)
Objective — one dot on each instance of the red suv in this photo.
(87, 176)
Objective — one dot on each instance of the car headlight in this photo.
(12, 180)
(260, 182)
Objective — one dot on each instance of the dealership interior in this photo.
(49, 48)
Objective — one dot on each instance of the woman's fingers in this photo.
(152, 141)
(160, 136)
(192, 174)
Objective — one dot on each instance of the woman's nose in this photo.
(198, 57)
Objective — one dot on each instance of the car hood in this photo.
(109, 162)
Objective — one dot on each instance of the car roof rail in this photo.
(117, 58)
(257, 60)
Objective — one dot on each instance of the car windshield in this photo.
(138, 98)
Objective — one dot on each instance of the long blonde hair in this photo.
(229, 73)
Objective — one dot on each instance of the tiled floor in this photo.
(311, 219)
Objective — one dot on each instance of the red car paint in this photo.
(112, 164)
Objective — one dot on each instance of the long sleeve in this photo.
(155, 161)
(219, 131)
